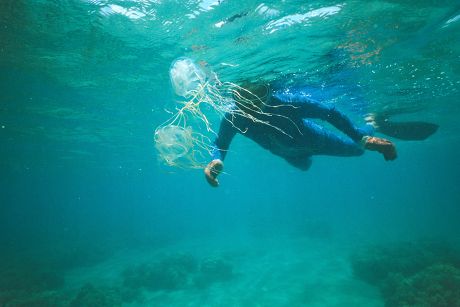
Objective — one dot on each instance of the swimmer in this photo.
(282, 120)
(297, 137)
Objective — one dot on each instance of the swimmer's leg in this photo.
(324, 142)
(309, 108)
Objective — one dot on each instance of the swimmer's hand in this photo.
(212, 170)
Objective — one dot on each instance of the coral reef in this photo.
(33, 275)
(213, 269)
(435, 286)
(374, 264)
(90, 296)
(170, 273)
(177, 272)
(29, 285)
(87, 296)
(411, 274)
(35, 286)
(30, 279)
(34, 299)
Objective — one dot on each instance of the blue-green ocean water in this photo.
(90, 217)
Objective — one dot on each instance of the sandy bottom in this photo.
(265, 272)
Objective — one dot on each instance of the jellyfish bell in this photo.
(186, 76)
(181, 146)
(173, 143)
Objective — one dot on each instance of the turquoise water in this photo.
(89, 216)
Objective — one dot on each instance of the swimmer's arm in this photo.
(226, 133)
(225, 136)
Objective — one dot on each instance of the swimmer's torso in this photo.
(279, 127)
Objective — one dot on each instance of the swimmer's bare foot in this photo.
(383, 146)
(212, 170)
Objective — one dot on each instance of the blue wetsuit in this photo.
(291, 110)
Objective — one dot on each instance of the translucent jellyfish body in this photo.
(186, 77)
(175, 145)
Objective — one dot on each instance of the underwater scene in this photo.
(229, 153)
